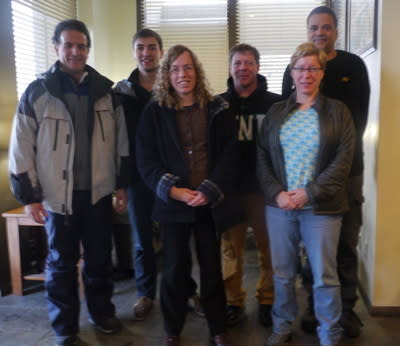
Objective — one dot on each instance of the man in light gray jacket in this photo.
(68, 155)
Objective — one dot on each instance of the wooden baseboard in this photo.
(384, 311)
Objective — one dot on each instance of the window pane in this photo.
(33, 25)
(275, 28)
(202, 25)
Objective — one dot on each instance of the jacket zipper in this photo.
(66, 176)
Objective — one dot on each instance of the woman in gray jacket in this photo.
(304, 156)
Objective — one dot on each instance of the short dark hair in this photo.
(322, 10)
(143, 33)
(70, 24)
(244, 47)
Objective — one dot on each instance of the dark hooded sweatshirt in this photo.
(249, 112)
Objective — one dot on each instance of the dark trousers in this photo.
(347, 255)
(176, 283)
(92, 226)
(140, 205)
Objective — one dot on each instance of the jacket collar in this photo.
(131, 86)
(262, 86)
(291, 103)
(98, 84)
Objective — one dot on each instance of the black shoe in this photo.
(195, 306)
(107, 325)
(264, 315)
(221, 340)
(234, 314)
(309, 322)
(66, 340)
(351, 324)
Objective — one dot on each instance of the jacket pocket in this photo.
(101, 125)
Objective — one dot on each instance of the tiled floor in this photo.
(23, 321)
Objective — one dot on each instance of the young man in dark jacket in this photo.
(346, 79)
(135, 93)
(249, 102)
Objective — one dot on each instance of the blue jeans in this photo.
(320, 235)
(91, 225)
(140, 205)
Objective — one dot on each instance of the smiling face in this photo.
(148, 53)
(244, 69)
(307, 74)
(72, 51)
(182, 76)
(321, 31)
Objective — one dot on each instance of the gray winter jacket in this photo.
(42, 147)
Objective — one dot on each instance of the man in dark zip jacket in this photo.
(249, 102)
(68, 154)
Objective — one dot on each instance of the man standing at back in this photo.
(136, 92)
(345, 79)
(249, 101)
(68, 154)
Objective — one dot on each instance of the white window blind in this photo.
(202, 25)
(33, 26)
(340, 8)
(275, 28)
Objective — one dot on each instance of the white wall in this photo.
(112, 25)
(380, 241)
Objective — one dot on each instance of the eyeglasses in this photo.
(309, 69)
(176, 69)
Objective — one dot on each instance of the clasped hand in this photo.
(192, 198)
(291, 200)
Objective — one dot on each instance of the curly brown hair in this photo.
(163, 91)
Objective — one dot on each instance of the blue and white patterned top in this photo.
(299, 137)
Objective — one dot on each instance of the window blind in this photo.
(340, 8)
(275, 28)
(33, 27)
(202, 25)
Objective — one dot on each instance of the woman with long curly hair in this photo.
(186, 152)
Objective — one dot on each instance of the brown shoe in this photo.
(142, 307)
(222, 340)
(171, 340)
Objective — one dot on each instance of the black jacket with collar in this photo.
(327, 190)
(134, 99)
(162, 165)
